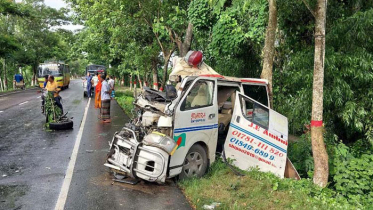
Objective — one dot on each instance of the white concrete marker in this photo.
(70, 169)
(23, 103)
(38, 97)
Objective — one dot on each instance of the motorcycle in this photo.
(54, 117)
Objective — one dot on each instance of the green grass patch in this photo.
(257, 190)
(125, 99)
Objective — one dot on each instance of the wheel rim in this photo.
(193, 164)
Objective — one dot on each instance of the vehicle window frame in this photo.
(260, 85)
(241, 99)
(183, 103)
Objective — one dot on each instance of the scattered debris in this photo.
(212, 206)
(4, 175)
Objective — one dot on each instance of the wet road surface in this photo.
(33, 160)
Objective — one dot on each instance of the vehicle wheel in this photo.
(62, 125)
(84, 94)
(195, 163)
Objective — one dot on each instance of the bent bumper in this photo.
(135, 159)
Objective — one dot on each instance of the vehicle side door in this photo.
(195, 120)
(257, 137)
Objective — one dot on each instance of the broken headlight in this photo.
(161, 141)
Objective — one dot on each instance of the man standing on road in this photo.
(105, 100)
(95, 81)
(89, 85)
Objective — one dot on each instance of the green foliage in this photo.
(300, 154)
(52, 111)
(348, 72)
(257, 190)
(352, 171)
(125, 100)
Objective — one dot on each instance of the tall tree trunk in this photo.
(155, 77)
(130, 81)
(155, 73)
(165, 68)
(185, 46)
(33, 82)
(140, 83)
(320, 155)
(1, 84)
(5, 75)
(269, 48)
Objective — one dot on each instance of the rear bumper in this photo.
(135, 159)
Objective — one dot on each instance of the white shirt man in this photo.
(111, 83)
(104, 91)
(95, 80)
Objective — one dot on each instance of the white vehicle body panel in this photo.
(250, 144)
(194, 125)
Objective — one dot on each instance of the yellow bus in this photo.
(59, 70)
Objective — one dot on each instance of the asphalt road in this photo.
(34, 161)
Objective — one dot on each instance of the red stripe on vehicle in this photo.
(212, 75)
(253, 81)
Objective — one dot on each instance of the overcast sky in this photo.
(57, 4)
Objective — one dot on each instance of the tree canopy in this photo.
(138, 38)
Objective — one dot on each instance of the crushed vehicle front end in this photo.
(143, 147)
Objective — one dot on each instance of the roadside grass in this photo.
(257, 190)
(125, 99)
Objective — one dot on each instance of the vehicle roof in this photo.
(96, 65)
(236, 79)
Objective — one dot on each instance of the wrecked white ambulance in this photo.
(179, 131)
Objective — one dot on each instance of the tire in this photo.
(195, 163)
(84, 94)
(63, 125)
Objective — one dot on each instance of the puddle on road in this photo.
(10, 194)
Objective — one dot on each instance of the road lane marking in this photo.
(1, 111)
(60, 205)
(23, 103)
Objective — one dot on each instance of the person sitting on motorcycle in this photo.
(53, 87)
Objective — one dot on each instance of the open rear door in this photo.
(257, 137)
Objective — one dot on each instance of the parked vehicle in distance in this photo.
(92, 70)
(58, 69)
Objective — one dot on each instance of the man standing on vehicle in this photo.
(52, 86)
(89, 85)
